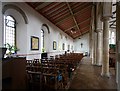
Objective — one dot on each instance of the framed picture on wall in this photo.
(68, 47)
(63, 46)
(72, 47)
(54, 45)
(34, 43)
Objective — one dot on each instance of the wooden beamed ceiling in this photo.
(73, 18)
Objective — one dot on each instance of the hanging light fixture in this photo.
(73, 30)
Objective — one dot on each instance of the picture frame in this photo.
(68, 47)
(34, 43)
(63, 46)
(72, 47)
(54, 45)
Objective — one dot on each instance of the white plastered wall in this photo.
(84, 39)
(33, 28)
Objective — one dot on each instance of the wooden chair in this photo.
(34, 81)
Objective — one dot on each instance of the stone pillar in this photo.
(99, 42)
(99, 47)
(92, 38)
(1, 24)
(107, 12)
(90, 43)
(1, 44)
(105, 63)
(118, 45)
(92, 46)
(95, 48)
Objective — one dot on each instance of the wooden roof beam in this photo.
(72, 3)
(55, 9)
(37, 4)
(84, 29)
(59, 11)
(60, 15)
(82, 10)
(73, 16)
(81, 34)
(78, 24)
(47, 8)
(80, 6)
(76, 5)
(42, 5)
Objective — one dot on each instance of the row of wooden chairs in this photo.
(52, 73)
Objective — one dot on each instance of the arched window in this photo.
(42, 40)
(44, 37)
(112, 38)
(9, 31)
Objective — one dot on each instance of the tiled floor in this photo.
(88, 77)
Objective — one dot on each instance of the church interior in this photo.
(60, 45)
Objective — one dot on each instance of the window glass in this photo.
(42, 41)
(9, 31)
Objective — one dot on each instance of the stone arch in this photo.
(45, 25)
(11, 6)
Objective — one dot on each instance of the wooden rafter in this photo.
(78, 35)
(42, 5)
(85, 28)
(81, 34)
(82, 11)
(72, 3)
(76, 5)
(38, 4)
(66, 15)
(51, 11)
(67, 12)
(62, 9)
(78, 24)
(73, 16)
(47, 8)
(60, 15)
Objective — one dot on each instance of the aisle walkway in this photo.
(88, 77)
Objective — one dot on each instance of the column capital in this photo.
(105, 18)
(99, 30)
(106, 11)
